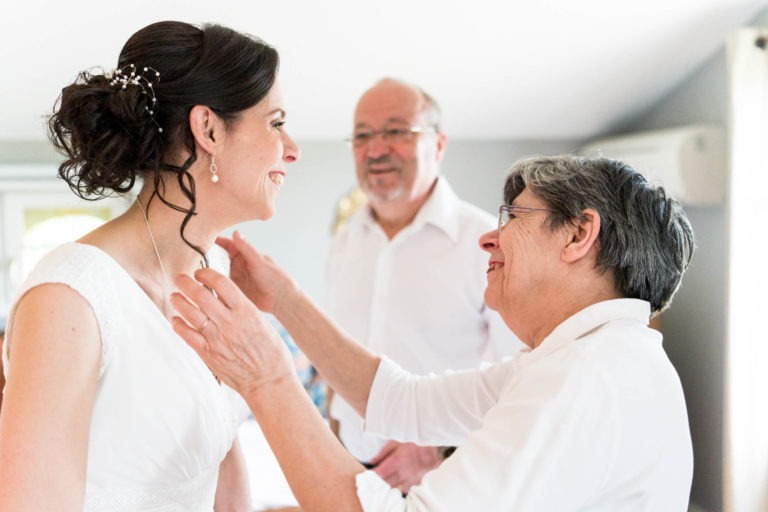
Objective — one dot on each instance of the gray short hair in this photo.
(646, 240)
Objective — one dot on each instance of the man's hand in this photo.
(403, 465)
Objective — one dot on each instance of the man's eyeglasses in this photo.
(391, 134)
(509, 211)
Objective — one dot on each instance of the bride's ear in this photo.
(207, 128)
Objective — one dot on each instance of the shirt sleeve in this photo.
(432, 410)
(548, 444)
(376, 495)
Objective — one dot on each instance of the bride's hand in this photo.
(256, 274)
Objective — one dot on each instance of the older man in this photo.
(386, 271)
(591, 416)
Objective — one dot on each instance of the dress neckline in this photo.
(137, 287)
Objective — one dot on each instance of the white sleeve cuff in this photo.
(376, 495)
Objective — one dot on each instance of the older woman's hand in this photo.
(257, 275)
(228, 332)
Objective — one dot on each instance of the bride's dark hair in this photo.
(112, 135)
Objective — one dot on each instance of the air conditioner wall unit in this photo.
(689, 161)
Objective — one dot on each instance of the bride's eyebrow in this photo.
(277, 111)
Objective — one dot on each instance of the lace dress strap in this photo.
(86, 270)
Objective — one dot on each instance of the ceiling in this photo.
(511, 69)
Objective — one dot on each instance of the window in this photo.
(37, 213)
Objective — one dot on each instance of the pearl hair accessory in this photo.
(127, 75)
(214, 170)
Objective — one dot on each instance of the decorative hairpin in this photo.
(127, 75)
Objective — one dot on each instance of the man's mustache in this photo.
(382, 160)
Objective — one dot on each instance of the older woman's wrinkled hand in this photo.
(256, 274)
(228, 332)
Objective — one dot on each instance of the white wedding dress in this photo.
(161, 423)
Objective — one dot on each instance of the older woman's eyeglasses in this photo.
(508, 212)
(391, 134)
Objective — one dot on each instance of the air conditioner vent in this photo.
(689, 161)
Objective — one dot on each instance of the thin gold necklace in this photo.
(162, 267)
(154, 244)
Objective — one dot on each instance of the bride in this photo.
(105, 407)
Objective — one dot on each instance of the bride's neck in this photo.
(163, 232)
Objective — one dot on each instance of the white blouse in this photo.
(593, 419)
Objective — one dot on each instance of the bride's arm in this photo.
(49, 397)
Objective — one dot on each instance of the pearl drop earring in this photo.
(214, 170)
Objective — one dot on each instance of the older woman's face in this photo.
(522, 266)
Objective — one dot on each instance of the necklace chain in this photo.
(154, 244)
(160, 261)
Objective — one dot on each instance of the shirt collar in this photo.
(438, 210)
(591, 318)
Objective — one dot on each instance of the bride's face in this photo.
(252, 161)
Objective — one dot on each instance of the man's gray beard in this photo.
(392, 196)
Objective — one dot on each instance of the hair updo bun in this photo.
(107, 134)
(112, 132)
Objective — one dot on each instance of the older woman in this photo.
(590, 417)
